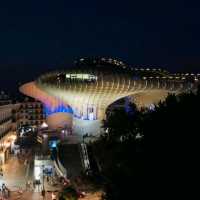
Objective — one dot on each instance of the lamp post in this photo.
(43, 175)
(43, 190)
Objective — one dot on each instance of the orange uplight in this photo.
(13, 137)
(7, 144)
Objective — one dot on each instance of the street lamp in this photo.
(43, 176)
(43, 190)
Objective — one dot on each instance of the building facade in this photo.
(31, 112)
(9, 123)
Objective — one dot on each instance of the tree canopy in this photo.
(170, 132)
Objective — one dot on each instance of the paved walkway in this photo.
(15, 175)
(30, 196)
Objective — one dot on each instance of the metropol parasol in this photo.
(77, 97)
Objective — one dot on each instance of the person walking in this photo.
(43, 193)
(8, 192)
(34, 184)
(29, 184)
(3, 188)
(1, 195)
(26, 185)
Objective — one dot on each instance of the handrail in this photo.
(84, 156)
(58, 171)
(81, 155)
(59, 167)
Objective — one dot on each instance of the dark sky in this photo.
(39, 35)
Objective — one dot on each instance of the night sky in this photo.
(40, 35)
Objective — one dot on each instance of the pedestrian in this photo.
(34, 185)
(20, 191)
(3, 189)
(25, 162)
(1, 171)
(26, 185)
(43, 193)
(8, 193)
(31, 186)
(38, 185)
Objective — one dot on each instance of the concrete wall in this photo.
(59, 120)
(81, 127)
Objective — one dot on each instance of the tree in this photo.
(117, 153)
(171, 134)
(68, 193)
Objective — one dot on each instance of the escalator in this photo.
(69, 156)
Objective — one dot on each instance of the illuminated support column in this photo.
(85, 112)
(101, 113)
(95, 112)
(91, 113)
(78, 112)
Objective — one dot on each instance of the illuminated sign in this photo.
(89, 77)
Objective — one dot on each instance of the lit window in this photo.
(67, 75)
(81, 76)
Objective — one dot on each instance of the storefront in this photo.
(43, 166)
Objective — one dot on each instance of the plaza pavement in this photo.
(15, 175)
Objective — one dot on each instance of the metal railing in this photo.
(60, 169)
(84, 156)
